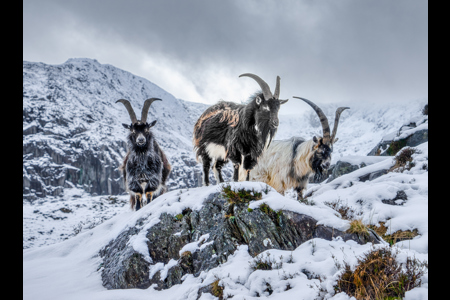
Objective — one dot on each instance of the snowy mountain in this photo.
(72, 132)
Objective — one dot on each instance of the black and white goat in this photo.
(237, 132)
(289, 163)
(145, 167)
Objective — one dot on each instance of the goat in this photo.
(145, 167)
(237, 132)
(289, 163)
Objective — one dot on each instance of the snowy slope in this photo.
(71, 269)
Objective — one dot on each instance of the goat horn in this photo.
(146, 107)
(129, 109)
(323, 120)
(276, 94)
(264, 86)
(336, 122)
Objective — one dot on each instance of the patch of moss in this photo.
(275, 216)
(249, 209)
(395, 146)
(216, 289)
(179, 217)
(239, 196)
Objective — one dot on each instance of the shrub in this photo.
(346, 212)
(378, 275)
(261, 262)
(404, 160)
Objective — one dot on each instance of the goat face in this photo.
(320, 161)
(266, 117)
(139, 132)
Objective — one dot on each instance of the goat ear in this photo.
(152, 124)
(258, 100)
(126, 126)
(283, 101)
(315, 140)
(335, 140)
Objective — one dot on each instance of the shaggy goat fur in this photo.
(237, 132)
(145, 167)
(290, 163)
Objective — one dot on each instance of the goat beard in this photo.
(318, 169)
(267, 132)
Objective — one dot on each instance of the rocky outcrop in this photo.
(413, 133)
(206, 237)
(342, 168)
(47, 170)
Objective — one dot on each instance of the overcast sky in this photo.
(323, 50)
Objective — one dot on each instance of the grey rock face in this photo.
(342, 168)
(227, 225)
(389, 147)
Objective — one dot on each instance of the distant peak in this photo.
(81, 60)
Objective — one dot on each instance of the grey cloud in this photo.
(325, 50)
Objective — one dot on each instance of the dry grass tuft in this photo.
(378, 275)
(404, 160)
(395, 237)
(358, 227)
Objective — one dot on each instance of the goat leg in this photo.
(138, 201)
(206, 165)
(236, 172)
(248, 165)
(149, 196)
(299, 191)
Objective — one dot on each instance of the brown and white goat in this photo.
(289, 163)
(145, 167)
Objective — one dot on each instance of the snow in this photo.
(63, 235)
(358, 159)
(77, 257)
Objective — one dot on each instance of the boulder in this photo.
(212, 234)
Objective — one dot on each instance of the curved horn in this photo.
(276, 94)
(264, 86)
(146, 107)
(129, 109)
(323, 120)
(336, 122)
